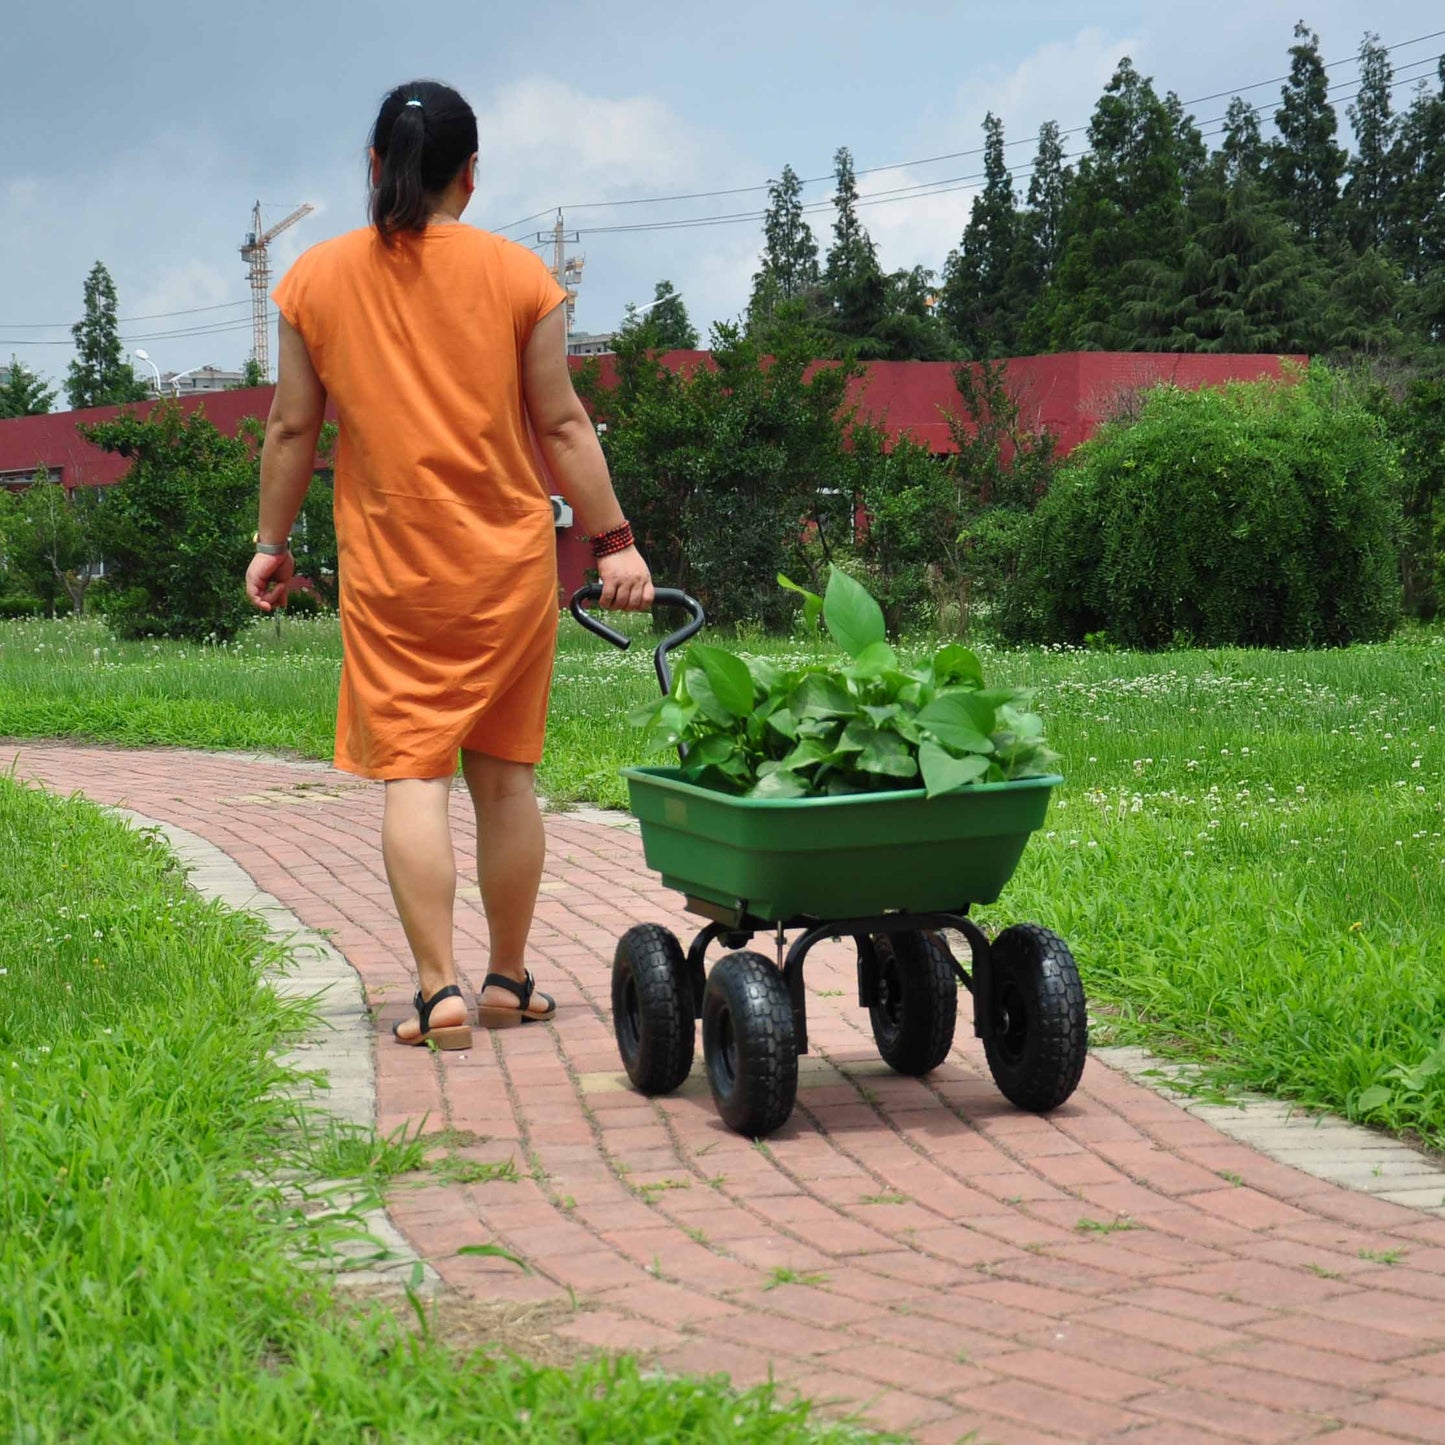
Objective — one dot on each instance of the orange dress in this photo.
(447, 551)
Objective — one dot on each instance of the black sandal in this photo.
(496, 1016)
(452, 1036)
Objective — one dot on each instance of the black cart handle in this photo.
(662, 597)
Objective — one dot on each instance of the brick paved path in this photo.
(948, 1284)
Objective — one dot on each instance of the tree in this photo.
(981, 304)
(1124, 207)
(1240, 157)
(176, 529)
(1041, 235)
(1416, 214)
(100, 374)
(1190, 153)
(1241, 282)
(24, 393)
(909, 329)
(1305, 163)
(1368, 190)
(251, 375)
(732, 471)
(52, 540)
(789, 270)
(1048, 193)
(854, 289)
(665, 325)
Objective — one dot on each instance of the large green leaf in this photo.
(818, 695)
(957, 664)
(958, 722)
(875, 660)
(732, 683)
(886, 755)
(854, 619)
(781, 784)
(942, 772)
(709, 705)
(812, 603)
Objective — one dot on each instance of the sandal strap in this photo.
(424, 1007)
(523, 990)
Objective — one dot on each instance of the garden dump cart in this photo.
(891, 871)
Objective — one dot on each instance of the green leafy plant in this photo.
(826, 730)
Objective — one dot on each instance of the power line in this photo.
(974, 151)
(122, 320)
(922, 190)
(218, 329)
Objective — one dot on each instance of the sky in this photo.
(141, 135)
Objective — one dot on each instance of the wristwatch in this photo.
(270, 549)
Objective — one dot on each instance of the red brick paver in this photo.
(939, 1281)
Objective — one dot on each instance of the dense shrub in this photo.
(1259, 514)
(176, 531)
(13, 607)
(1414, 416)
(943, 533)
(732, 473)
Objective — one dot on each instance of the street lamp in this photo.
(145, 357)
(176, 379)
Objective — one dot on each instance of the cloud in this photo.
(544, 143)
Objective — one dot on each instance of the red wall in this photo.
(1070, 394)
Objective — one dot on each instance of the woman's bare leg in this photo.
(416, 846)
(511, 848)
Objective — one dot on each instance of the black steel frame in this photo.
(738, 933)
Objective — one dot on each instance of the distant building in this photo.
(590, 343)
(200, 380)
(4, 376)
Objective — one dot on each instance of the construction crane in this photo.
(255, 252)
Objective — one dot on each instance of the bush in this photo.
(944, 532)
(176, 532)
(13, 607)
(304, 604)
(1262, 514)
(732, 473)
(1415, 421)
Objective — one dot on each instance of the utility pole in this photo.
(567, 270)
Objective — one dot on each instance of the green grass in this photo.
(1247, 857)
(150, 1224)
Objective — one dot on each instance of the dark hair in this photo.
(423, 135)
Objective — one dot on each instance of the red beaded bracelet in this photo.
(619, 539)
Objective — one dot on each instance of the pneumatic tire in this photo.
(916, 1006)
(1040, 1033)
(749, 1045)
(652, 1008)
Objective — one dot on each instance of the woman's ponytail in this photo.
(424, 134)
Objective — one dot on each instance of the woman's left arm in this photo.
(288, 462)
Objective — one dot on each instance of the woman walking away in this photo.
(443, 348)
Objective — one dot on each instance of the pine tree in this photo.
(1416, 207)
(1190, 152)
(980, 304)
(1048, 192)
(789, 268)
(1367, 193)
(1240, 156)
(1125, 207)
(853, 283)
(100, 374)
(664, 326)
(1305, 163)
(24, 392)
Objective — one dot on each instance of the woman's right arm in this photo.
(574, 457)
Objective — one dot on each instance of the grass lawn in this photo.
(148, 1217)
(1247, 856)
